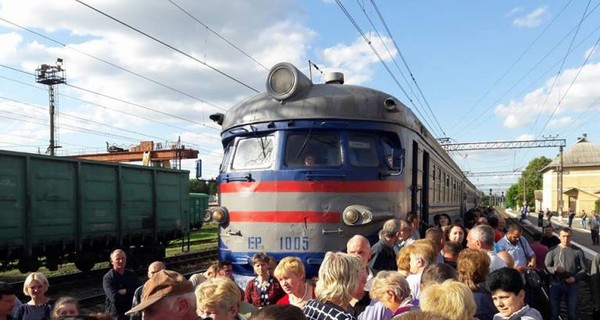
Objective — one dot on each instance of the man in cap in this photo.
(167, 295)
(153, 268)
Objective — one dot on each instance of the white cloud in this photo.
(579, 97)
(532, 19)
(592, 53)
(514, 11)
(357, 59)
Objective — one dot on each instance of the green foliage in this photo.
(203, 186)
(597, 205)
(533, 181)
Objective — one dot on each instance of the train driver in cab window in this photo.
(309, 160)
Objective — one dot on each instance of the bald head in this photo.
(155, 267)
(359, 245)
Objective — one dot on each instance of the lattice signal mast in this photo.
(51, 76)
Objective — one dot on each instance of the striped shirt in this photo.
(315, 310)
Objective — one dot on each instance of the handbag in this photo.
(533, 280)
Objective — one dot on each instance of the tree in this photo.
(533, 181)
(203, 186)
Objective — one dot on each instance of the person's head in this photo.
(456, 233)
(481, 237)
(218, 298)
(513, 234)
(391, 229)
(403, 259)
(451, 250)
(437, 273)
(501, 223)
(65, 307)
(451, 299)
(565, 237)
(279, 312)
(421, 256)
(340, 275)
(212, 271)
(167, 295)
(391, 288)
(548, 231)
(493, 221)
(7, 298)
(436, 236)
(508, 294)
(309, 160)
(225, 269)
(118, 259)
(155, 267)
(290, 273)
(272, 264)
(413, 219)
(441, 220)
(260, 263)
(405, 231)
(507, 257)
(472, 266)
(35, 285)
(360, 246)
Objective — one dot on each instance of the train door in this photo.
(424, 214)
(416, 186)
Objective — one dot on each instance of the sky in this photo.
(156, 69)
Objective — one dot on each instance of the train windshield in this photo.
(313, 149)
(254, 153)
(362, 151)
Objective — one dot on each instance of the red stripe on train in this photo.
(285, 216)
(312, 186)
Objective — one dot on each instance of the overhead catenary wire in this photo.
(412, 76)
(112, 64)
(218, 34)
(170, 46)
(359, 29)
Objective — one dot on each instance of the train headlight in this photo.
(285, 80)
(357, 215)
(219, 215)
(351, 216)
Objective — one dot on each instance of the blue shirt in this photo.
(521, 251)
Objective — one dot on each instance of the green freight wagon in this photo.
(55, 210)
(198, 204)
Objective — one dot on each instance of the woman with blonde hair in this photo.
(342, 277)
(473, 267)
(39, 307)
(391, 288)
(65, 307)
(292, 277)
(218, 298)
(450, 299)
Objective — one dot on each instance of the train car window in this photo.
(226, 158)
(362, 151)
(394, 155)
(313, 149)
(254, 153)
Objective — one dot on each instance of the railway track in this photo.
(87, 287)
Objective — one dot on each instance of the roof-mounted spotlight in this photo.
(285, 80)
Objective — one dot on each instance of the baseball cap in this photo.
(162, 284)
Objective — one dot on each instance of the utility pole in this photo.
(51, 76)
(559, 182)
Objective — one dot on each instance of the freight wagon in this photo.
(55, 210)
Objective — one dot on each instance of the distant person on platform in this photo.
(119, 285)
(571, 217)
(567, 267)
(524, 211)
(541, 219)
(595, 227)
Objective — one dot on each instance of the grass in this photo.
(207, 232)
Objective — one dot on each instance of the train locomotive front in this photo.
(307, 166)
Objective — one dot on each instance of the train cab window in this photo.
(226, 158)
(254, 153)
(393, 155)
(313, 149)
(362, 151)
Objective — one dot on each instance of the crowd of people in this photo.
(471, 270)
